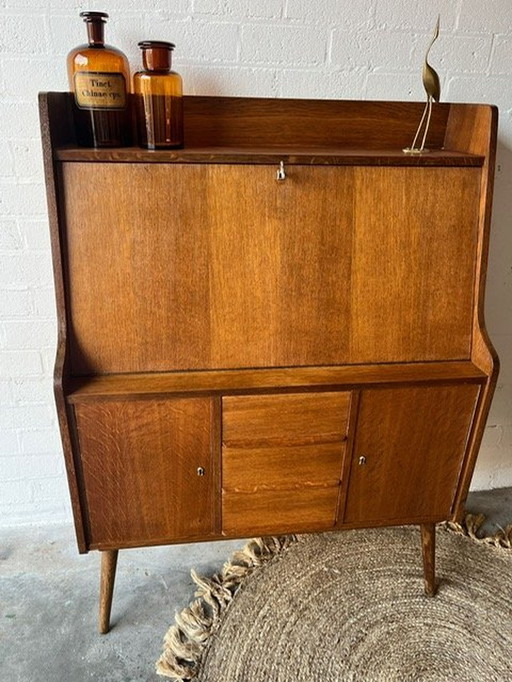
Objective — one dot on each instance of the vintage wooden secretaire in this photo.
(278, 328)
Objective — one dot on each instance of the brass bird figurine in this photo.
(433, 89)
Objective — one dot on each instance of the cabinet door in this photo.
(139, 462)
(282, 461)
(408, 453)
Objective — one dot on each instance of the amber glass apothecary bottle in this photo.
(158, 94)
(99, 77)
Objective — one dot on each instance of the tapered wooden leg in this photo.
(428, 545)
(108, 575)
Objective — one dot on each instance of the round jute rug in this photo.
(348, 606)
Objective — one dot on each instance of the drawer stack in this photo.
(282, 459)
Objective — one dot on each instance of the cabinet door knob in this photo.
(362, 460)
(200, 471)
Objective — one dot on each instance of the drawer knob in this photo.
(200, 471)
(362, 460)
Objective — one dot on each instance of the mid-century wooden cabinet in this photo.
(278, 328)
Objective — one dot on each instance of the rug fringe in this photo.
(185, 640)
(471, 525)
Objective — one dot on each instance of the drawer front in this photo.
(282, 460)
(284, 419)
(282, 511)
(248, 470)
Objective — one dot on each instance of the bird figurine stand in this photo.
(433, 89)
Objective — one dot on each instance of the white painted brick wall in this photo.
(353, 49)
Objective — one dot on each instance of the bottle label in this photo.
(100, 90)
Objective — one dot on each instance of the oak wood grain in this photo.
(413, 263)
(235, 121)
(475, 128)
(428, 546)
(54, 108)
(373, 277)
(291, 155)
(130, 250)
(187, 281)
(413, 442)
(238, 121)
(129, 268)
(107, 580)
(278, 511)
(249, 470)
(140, 464)
(282, 452)
(355, 400)
(134, 386)
(155, 540)
(295, 419)
(280, 272)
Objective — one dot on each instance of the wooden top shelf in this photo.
(266, 130)
(115, 386)
(291, 156)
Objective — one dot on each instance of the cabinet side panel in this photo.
(140, 463)
(413, 265)
(56, 129)
(474, 128)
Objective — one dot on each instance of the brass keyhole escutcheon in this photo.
(362, 460)
(200, 471)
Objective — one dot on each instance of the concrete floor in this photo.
(49, 593)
